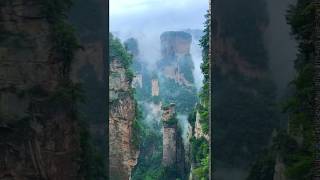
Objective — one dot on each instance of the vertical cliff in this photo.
(177, 63)
(293, 153)
(169, 155)
(89, 18)
(176, 71)
(155, 87)
(40, 130)
(43, 136)
(173, 156)
(123, 147)
(243, 84)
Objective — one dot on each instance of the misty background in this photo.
(145, 20)
(280, 44)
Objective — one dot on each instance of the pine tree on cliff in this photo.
(301, 18)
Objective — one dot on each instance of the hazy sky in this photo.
(146, 20)
(159, 14)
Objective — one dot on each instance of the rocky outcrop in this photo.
(173, 147)
(175, 42)
(279, 170)
(169, 146)
(198, 132)
(155, 87)
(176, 80)
(168, 112)
(122, 154)
(169, 136)
(137, 81)
(176, 60)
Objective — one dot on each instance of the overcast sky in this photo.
(157, 14)
(146, 20)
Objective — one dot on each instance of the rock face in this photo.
(176, 58)
(122, 154)
(241, 73)
(173, 147)
(155, 87)
(198, 132)
(169, 136)
(169, 146)
(175, 42)
(137, 81)
(38, 140)
(176, 81)
(279, 170)
(89, 68)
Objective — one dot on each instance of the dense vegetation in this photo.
(171, 92)
(199, 148)
(294, 146)
(117, 51)
(299, 106)
(69, 96)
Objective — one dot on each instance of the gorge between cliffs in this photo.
(158, 123)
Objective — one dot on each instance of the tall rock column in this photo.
(173, 147)
(176, 81)
(155, 87)
(122, 153)
(169, 135)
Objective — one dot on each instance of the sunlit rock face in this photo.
(122, 154)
